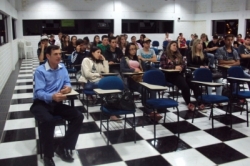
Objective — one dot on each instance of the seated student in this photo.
(244, 52)
(167, 37)
(113, 55)
(96, 41)
(142, 37)
(72, 45)
(58, 41)
(49, 93)
(122, 43)
(91, 69)
(79, 54)
(172, 59)
(65, 42)
(104, 45)
(41, 51)
(197, 58)
(133, 40)
(205, 49)
(131, 63)
(182, 44)
(213, 45)
(86, 41)
(52, 39)
(146, 54)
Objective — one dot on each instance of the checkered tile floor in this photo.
(198, 145)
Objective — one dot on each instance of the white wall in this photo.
(8, 51)
(110, 9)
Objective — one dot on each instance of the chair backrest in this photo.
(203, 75)
(111, 82)
(235, 71)
(155, 44)
(155, 77)
(155, 50)
(187, 42)
(28, 43)
(164, 45)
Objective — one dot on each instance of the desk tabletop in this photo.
(224, 66)
(72, 93)
(153, 87)
(240, 79)
(68, 54)
(113, 64)
(109, 74)
(132, 73)
(208, 83)
(63, 51)
(171, 70)
(102, 91)
(194, 68)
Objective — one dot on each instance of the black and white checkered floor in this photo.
(198, 145)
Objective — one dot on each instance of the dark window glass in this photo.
(38, 27)
(247, 27)
(147, 26)
(3, 29)
(223, 27)
(14, 28)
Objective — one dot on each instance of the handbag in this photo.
(216, 74)
(120, 101)
(137, 78)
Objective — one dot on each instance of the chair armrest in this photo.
(192, 68)
(153, 87)
(104, 92)
(72, 93)
(211, 84)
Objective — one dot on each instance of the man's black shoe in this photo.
(64, 154)
(48, 161)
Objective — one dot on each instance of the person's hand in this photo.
(206, 67)
(42, 45)
(111, 62)
(65, 90)
(102, 57)
(202, 66)
(178, 68)
(59, 97)
(137, 70)
(78, 48)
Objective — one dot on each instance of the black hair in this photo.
(72, 38)
(247, 37)
(92, 50)
(109, 34)
(86, 39)
(104, 36)
(94, 43)
(127, 54)
(79, 42)
(144, 36)
(228, 35)
(180, 34)
(132, 37)
(51, 48)
(112, 38)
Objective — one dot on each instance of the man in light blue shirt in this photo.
(51, 84)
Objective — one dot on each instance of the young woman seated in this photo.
(91, 70)
(197, 58)
(172, 59)
(131, 63)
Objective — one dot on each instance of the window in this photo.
(14, 28)
(3, 29)
(38, 27)
(147, 26)
(248, 27)
(222, 27)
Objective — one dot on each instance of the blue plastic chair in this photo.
(155, 44)
(237, 72)
(164, 45)
(69, 67)
(87, 93)
(204, 75)
(156, 77)
(109, 83)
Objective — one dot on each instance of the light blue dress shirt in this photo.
(50, 81)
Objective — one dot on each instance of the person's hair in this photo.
(63, 41)
(228, 35)
(51, 48)
(94, 42)
(86, 39)
(104, 36)
(112, 38)
(52, 35)
(109, 34)
(91, 56)
(247, 37)
(127, 53)
(215, 37)
(79, 41)
(194, 49)
(132, 37)
(119, 41)
(180, 34)
(240, 35)
(73, 37)
(144, 36)
(203, 35)
(172, 55)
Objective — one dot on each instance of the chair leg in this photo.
(125, 122)
(87, 104)
(154, 129)
(247, 112)
(101, 122)
(212, 109)
(107, 131)
(134, 127)
(178, 120)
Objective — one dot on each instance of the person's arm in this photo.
(105, 66)
(242, 52)
(166, 63)
(124, 66)
(41, 53)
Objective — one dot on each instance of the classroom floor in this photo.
(198, 145)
